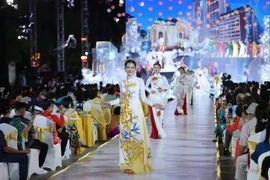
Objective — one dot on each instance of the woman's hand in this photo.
(158, 106)
(153, 92)
(105, 103)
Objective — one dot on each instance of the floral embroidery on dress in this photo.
(155, 80)
(130, 144)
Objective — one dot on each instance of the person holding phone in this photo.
(24, 125)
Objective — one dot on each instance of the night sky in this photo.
(146, 11)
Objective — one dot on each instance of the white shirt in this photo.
(245, 131)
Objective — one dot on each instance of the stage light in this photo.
(141, 3)
(86, 53)
(131, 9)
(83, 57)
(109, 10)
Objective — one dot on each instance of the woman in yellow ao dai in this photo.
(134, 147)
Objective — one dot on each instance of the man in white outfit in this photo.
(242, 160)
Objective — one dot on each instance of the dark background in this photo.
(102, 27)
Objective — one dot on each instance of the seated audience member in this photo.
(255, 95)
(5, 110)
(64, 93)
(265, 168)
(35, 100)
(16, 97)
(230, 128)
(74, 136)
(47, 106)
(19, 122)
(27, 94)
(262, 123)
(221, 124)
(110, 96)
(10, 155)
(242, 159)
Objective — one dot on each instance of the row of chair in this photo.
(44, 134)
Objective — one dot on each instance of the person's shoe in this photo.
(42, 171)
(128, 171)
(227, 152)
(84, 146)
(214, 140)
(64, 157)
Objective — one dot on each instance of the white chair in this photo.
(53, 158)
(235, 136)
(27, 114)
(11, 142)
(33, 157)
(253, 171)
(4, 171)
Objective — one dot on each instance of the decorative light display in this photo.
(265, 40)
(132, 42)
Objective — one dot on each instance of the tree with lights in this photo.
(265, 40)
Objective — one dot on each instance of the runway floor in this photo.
(188, 152)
